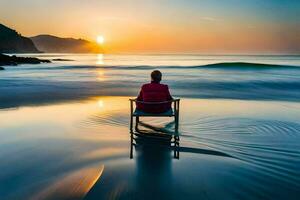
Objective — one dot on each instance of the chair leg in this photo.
(176, 123)
(131, 116)
(131, 146)
(131, 123)
(176, 147)
(137, 120)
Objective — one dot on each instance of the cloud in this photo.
(209, 19)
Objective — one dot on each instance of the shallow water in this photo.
(228, 149)
(64, 129)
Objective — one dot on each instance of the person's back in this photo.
(154, 92)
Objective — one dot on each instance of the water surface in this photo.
(122, 75)
(64, 129)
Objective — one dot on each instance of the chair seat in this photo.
(168, 113)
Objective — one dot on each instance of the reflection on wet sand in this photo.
(153, 169)
(146, 176)
(162, 137)
(83, 149)
(154, 136)
(152, 176)
(140, 141)
(72, 186)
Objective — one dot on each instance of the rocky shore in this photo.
(14, 60)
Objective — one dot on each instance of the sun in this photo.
(100, 39)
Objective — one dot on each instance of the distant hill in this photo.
(53, 44)
(13, 42)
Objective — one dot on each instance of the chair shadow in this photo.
(154, 150)
(153, 158)
(162, 136)
(154, 129)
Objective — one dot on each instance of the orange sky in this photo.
(163, 26)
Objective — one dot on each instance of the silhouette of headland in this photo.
(13, 42)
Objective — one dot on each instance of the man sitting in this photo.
(154, 92)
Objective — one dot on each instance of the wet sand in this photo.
(228, 149)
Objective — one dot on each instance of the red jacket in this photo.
(154, 92)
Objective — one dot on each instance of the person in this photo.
(154, 92)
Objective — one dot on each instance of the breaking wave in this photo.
(224, 66)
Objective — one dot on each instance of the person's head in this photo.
(156, 76)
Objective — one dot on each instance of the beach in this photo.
(65, 128)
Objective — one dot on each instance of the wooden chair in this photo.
(174, 112)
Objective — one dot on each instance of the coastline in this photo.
(14, 60)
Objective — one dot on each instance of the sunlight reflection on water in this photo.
(61, 150)
(100, 59)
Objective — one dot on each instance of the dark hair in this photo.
(156, 76)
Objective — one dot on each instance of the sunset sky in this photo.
(173, 26)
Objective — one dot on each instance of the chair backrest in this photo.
(154, 107)
(174, 101)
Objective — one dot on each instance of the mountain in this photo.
(13, 42)
(53, 44)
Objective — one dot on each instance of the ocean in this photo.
(64, 128)
(193, 76)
